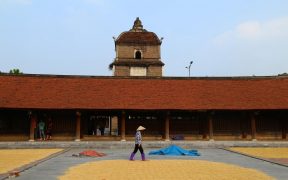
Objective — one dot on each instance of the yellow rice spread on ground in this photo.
(15, 158)
(160, 169)
(263, 152)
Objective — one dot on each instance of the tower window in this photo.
(138, 55)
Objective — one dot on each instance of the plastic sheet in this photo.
(174, 150)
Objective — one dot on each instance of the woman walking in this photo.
(138, 144)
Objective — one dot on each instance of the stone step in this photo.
(146, 144)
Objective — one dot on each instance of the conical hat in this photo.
(140, 128)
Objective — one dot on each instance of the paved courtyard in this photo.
(57, 166)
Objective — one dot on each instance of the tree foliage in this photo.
(15, 71)
(283, 74)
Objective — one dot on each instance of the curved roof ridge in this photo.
(133, 37)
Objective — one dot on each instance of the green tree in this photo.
(283, 74)
(15, 71)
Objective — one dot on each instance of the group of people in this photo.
(44, 131)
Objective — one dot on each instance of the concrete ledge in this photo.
(146, 144)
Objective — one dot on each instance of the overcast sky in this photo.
(74, 37)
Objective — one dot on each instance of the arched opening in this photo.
(138, 55)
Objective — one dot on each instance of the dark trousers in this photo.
(42, 133)
(138, 146)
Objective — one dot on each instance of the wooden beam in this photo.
(78, 126)
(33, 120)
(167, 123)
(123, 122)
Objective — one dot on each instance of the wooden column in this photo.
(210, 127)
(123, 119)
(33, 120)
(167, 123)
(284, 129)
(204, 125)
(243, 125)
(78, 125)
(253, 126)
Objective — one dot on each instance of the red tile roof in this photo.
(140, 38)
(76, 92)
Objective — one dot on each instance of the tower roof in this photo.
(138, 35)
(137, 27)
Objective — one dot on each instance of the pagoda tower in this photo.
(137, 53)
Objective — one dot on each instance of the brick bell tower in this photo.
(137, 53)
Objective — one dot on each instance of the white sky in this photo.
(222, 38)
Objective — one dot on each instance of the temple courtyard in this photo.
(213, 163)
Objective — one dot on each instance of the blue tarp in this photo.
(174, 150)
